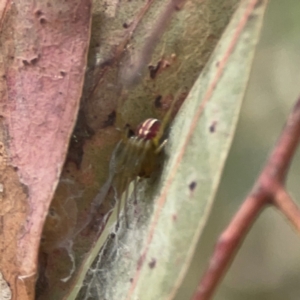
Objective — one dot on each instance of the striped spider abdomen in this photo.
(148, 129)
(133, 157)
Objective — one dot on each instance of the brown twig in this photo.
(288, 207)
(267, 190)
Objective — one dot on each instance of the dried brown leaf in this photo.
(43, 57)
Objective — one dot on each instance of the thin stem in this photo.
(283, 153)
(228, 243)
(267, 190)
(288, 207)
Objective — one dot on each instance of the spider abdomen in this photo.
(148, 129)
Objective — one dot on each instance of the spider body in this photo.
(137, 156)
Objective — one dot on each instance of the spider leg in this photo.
(96, 203)
(126, 204)
(123, 185)
(118, 209)
(135, 190)
(161, 146)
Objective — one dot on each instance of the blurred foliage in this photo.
(267, 265)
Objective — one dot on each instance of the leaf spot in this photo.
(161, 65)
(28, 62)
(62, 73)
(34, 61)
(43, 20)
(38, 13)
(152, 263)
(212, 127)
(192, 185)
(25, 62)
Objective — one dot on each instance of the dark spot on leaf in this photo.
(161, 65)
(212, 127)
(125, 25)
(25, 62)
(110, 119)
(43, 21)
(131, 279)
(217, 64)
(192, 185)
(154, 69)
(34, 60)
(174, 217)
(112, 235)
(38, 13)
(62, 73)
(152, 263)
(30, 62)
(157, 101)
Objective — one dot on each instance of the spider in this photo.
(133, 157)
